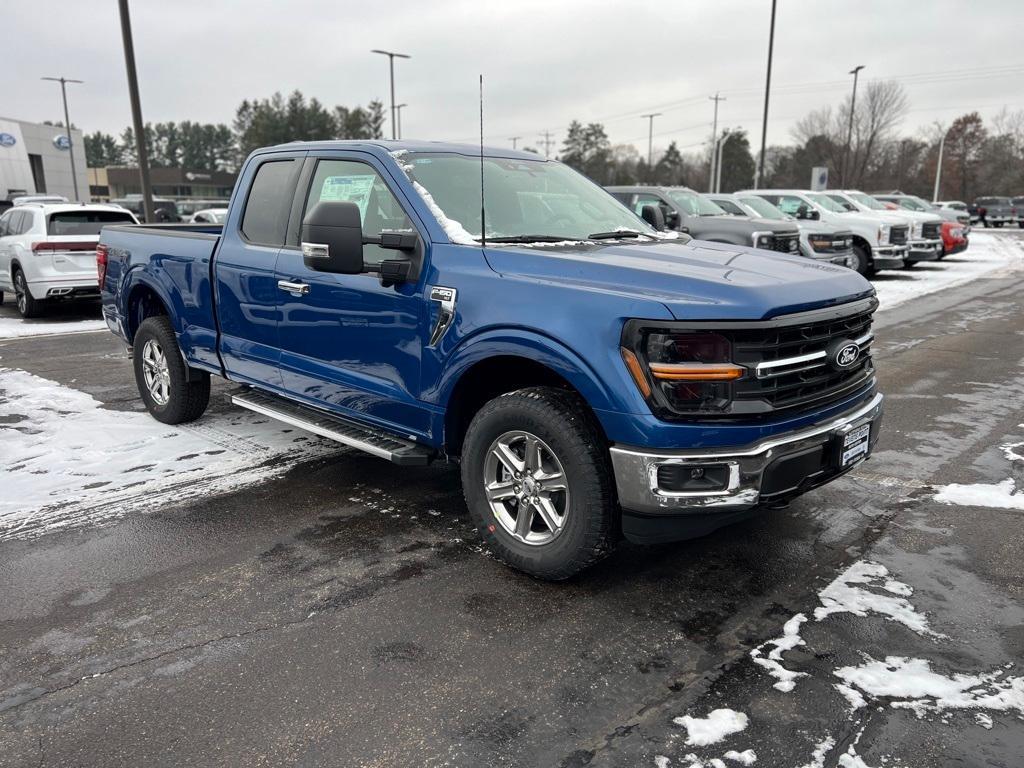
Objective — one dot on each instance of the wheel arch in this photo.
(142, 300)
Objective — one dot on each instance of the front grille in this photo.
(931, 230)
(806, 378)
(898, 235)
(786, 243)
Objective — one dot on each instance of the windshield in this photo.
(764, 209)
(826, 202)
(693, 204)
(868, 201)
(843, 203)
(913, 204)
(528, 199)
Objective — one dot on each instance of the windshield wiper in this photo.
(615, 234)
(526, 239)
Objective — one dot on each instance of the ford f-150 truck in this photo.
(593, 376)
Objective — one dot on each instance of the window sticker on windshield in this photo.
(348, 189)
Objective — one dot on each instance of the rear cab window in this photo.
(87, 223)
(265, 219)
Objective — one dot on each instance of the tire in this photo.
(909, 264)
(568, 439)
(862, 261)
(27, 306)
(173, 393)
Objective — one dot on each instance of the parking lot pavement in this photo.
(341, 611)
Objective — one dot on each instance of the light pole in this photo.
(849, 131)
(718, 161)
(140, 129)
(938, 167)
(767, 91)
(650, 139)
(514, 139)
(714, 137)
(391, 62)
(398, 109)
(67, 124)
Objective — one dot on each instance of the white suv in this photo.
(877, 242)
(48, 251)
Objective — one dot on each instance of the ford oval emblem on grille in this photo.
(842, 354)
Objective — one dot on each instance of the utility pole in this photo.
(548, 142)
(514, 140)
(767, 93)
(140, 129)
(398, 109)
(714, 136)
(650, 140)
(938, 167)
(67, 124)
(391, 62)
(849, 130)
(718, 161)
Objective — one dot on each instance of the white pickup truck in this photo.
(878, 242)
(925, 242)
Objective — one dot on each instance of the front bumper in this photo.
(924, 250)
(842, 258)
(889, 256)
(778, 467)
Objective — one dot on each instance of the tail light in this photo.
(41, 246)
(101, 263)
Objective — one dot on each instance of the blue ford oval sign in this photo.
(7, 140)
(62, 142)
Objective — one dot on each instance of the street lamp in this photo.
(849, 130)
(650, 138)
(391, 63)
(398, 109)
(141, 149)
(67, 123)
(938, 166)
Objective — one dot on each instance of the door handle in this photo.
(300, 288)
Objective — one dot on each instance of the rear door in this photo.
(244, 269)
(71, 238)
(348, 343)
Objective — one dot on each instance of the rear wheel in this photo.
(172, 392)
(862, 261)
(27, 306)
(538, 482)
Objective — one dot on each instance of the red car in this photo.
(954, 238)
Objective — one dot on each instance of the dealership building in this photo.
(35, 159)
(116, 182)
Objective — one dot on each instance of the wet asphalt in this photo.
(345, 615)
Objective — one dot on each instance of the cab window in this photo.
(351, 181)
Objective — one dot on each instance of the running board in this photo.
(346, 431)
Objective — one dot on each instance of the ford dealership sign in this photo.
(62, 142)
(7, 140)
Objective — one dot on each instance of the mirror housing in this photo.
(653, 215)
(671, 219)
(805, 213)
(332, 238)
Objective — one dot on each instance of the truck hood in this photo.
(694, 281)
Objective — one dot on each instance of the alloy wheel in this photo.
(155, 372)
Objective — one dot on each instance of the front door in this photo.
(349, 344)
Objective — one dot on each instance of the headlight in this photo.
(957, 232)
(679, 371)
(762, 240)
(820, 243)
(917, 229)
(883, 234)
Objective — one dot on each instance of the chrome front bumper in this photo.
(636, 470)
(889, 256)
(924, 250)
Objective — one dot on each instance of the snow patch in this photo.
(1000, 495)
(66, 461)
(746, 757)
(773, 661)
(821, 749)
(913, 685)
(16, 328)
(455, 231)
(702, 731)
(849, 593)
(852, 695)
(851, 760)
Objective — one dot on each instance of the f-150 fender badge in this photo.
(446, 298)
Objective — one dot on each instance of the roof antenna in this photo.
(483, 222)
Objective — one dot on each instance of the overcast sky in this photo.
(544, 63)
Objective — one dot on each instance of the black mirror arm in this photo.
(391, 271)
(397, 241)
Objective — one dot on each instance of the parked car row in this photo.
(845, 227)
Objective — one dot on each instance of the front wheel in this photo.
(538, 482)
(172, 392)
(862, 261)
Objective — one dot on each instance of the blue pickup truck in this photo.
(595, 378)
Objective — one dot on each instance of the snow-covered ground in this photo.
(66, 461)
(16, 327)
(988, 254)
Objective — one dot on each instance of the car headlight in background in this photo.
(820, 243)
(957, 232)
(762, 240)
(883, 234)
(916, 229)
(677, 371)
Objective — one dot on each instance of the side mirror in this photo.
(332, 238)
(671, 219)
(652, 215)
